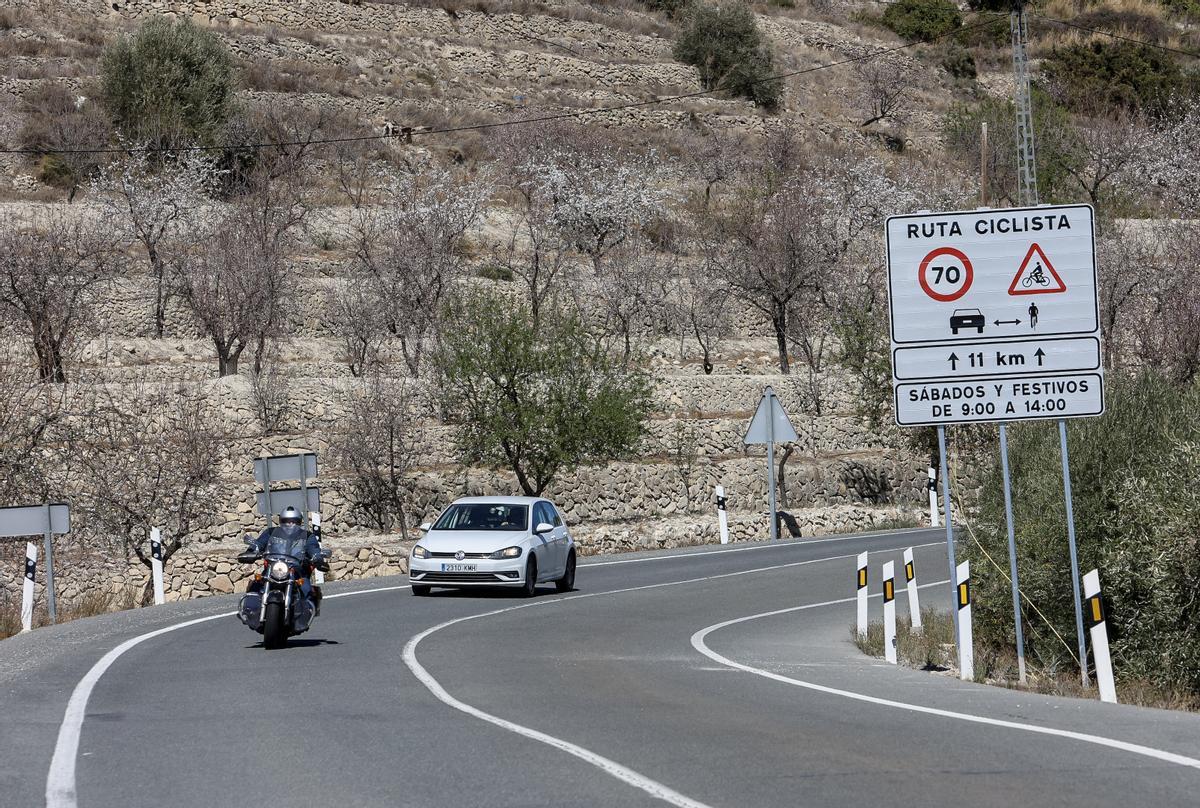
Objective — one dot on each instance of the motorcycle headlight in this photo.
(279, 571)
(507, 552)
(420, 552)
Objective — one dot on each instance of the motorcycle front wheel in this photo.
(274, 631)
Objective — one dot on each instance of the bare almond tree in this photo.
(151, 200)
(31, 415)
(53, 271)
(884, 86)
(148, 455)
(629, 298)
(409, 250)
(353, 313)
(700, 302)
(376, 447)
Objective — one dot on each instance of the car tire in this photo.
(530, 587)
(421, 590)
(567, 582)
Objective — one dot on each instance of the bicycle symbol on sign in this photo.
(1036, 275)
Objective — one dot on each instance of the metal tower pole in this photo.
(1027, 191)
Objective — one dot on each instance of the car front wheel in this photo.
(567, 582)
(530, 578)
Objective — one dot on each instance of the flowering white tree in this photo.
(601, 196)
(409, 249)
(151, 200)
(1171, 153)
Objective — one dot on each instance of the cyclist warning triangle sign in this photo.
(1036, 275)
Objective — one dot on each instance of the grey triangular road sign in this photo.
(770, 422)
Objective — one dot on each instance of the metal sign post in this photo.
(769, 424)
(1066, 472)
(47, 521)
(1012, 554)
(281, 468)
(945, 472)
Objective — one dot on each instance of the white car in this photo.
(494, 541)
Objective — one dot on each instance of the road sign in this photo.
(285, 467)
(35, 520)
(304, 500)
(770, 423)
(994, 315)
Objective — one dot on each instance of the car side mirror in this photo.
(426, 527)
(543, 527)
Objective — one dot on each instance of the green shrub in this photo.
(169, 80)
(54, 170)
(922, 19)
(723, 42)
(669, 7)
(495, 272)
(1136, 486)
(958, 61)
(1101, 74)
(1144, 26)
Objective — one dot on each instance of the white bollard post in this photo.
(156, 565)
(966, 650)
(722, 516)
(861, 582)
(314, 519)
(889, 612)
(933, 503)
(1098, 628)
(910, 579)
(27, 586)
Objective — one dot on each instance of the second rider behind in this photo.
(291, 539)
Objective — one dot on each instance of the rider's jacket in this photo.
(289, 540)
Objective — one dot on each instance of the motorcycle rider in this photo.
(290, 538)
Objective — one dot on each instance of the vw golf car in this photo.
(514, 542)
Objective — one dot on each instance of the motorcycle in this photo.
(277, 607)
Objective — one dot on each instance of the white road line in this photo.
(698, 642)
(774, 546)
(652, 787)
(60, 780)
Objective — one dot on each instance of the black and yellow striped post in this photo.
(910, 582)
(889, 612)
(860, 581)
(1097, 620)
(966, 651)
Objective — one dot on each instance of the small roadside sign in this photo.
(994, 315)
(770, 423)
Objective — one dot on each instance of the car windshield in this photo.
(483, 516)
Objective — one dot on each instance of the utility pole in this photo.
(1027, 190)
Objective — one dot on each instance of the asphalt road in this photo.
(627, 692)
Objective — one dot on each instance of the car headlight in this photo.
(507, 552)
(279, 571)
(420, 552)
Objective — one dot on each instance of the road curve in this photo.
(712, 677)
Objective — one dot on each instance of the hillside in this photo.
(331, 78)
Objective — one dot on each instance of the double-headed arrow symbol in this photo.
(1008, 322)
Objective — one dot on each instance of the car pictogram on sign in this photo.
(967, 318)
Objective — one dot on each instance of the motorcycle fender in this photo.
(275, 596)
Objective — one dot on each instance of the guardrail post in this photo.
(966, 649)
(27, 586)
(910, 579)
(1097, 619)
(860, 580)
(722, 516)
(889, 612)
(156, 565)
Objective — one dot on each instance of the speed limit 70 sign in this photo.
(994, 315)
(946, 274)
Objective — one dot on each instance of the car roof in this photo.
(956, 311)
(498, 500)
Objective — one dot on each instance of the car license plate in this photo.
(459, 567)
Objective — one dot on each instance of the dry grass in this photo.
(932, 649)
(90, 605)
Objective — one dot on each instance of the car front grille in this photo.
(455, 555)
(458, 577)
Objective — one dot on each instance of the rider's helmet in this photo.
(290, 516)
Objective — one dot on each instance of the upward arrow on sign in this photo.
(770, 423)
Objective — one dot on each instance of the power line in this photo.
(511, 122)
(1069, 24)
